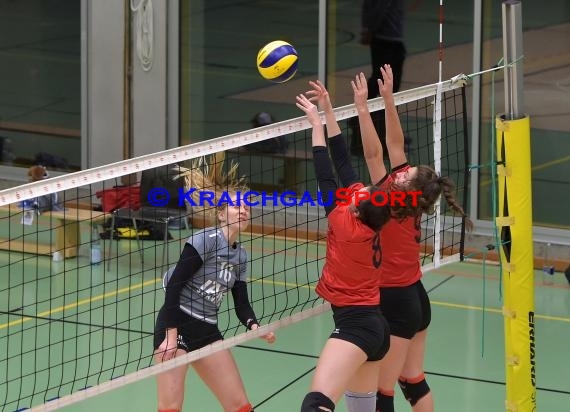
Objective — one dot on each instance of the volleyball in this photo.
(277, 61)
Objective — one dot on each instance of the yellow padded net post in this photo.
(515, 224)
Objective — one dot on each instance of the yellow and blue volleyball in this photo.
(277, 61)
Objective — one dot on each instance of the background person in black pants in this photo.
(383, 32)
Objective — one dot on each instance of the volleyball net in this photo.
(82, 256)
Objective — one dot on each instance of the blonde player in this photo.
(212, 263)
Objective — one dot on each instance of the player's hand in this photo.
(360, 89)
(386, 86)
(309, 108)
(319, 94)
(268, 337)
(168, 347)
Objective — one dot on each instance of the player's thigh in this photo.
(392, 364)
(220, 373)
(338, 362)
(364, 380)
(359, 340)
(414, 365)
(170, 386)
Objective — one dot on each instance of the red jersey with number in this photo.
(400, 242)
(352, 268)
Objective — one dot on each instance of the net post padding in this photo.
(517, 258)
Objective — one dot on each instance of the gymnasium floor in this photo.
(465, 355)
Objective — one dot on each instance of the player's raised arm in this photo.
(321, 160)
(320, 94)
(339, 153)
(318, 133)
(394, 132)
(370, 142)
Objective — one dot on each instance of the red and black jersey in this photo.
(400, 243)
(352, 270)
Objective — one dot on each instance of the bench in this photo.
(292, 158)
(66, 225)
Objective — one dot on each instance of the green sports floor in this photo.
(465, 354)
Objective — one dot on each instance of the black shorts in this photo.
(192, 333)
(407, 309)
(363, 326)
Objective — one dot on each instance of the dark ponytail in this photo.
(432, 187)
(447, 188)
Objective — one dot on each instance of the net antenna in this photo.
(437, 139)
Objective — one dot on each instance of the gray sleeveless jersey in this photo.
(202, 295)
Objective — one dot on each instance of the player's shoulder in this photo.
(207, 233)
(210, 232)
(206, 236)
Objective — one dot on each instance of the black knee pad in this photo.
(414, 391)
(315, 401)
